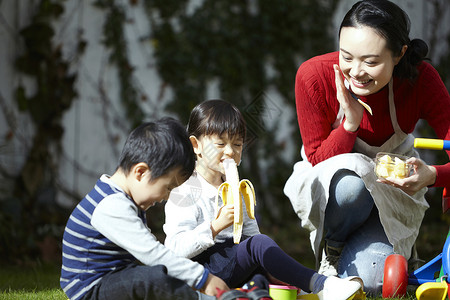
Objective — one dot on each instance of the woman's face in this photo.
(364, 59)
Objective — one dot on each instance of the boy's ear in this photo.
(196, 145)
(140, 170)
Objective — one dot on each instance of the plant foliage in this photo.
(247, 48)
(24, 215)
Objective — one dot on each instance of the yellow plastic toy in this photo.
(433, 144)
(234, 192)
(432, 291)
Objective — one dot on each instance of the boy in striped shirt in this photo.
(108, 250)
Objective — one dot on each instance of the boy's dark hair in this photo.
(216, 117)
(163, 145)
(393, 24)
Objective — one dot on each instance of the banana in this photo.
(233, 191)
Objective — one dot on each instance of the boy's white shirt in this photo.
(116, 217)
(189, 211)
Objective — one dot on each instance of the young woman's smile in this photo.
(368, 69)
(361, 84)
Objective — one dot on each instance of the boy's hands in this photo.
(212, 284)
(223, 220)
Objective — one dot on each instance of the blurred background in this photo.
(77, 76)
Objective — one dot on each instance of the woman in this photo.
(334, 189)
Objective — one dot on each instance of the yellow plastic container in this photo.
(432, 291)
(283, 292)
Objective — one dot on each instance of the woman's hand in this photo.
(353, 110)
(223, 220)
(423, 176)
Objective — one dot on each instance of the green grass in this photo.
(52, 294)
(408, 296)
(41, 282)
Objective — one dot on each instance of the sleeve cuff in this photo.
(442, 175)
(203, 280)
(352, 134)
(344, 140)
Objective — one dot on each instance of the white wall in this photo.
(95, 128)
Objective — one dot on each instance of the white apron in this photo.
(400, 214)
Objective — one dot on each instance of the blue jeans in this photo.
(352, 222)
(142, 282)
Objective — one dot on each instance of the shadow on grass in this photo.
(40, 277)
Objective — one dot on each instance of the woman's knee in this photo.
(348, 191)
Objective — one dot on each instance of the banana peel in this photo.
(233, 191)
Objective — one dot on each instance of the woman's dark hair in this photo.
(393, 24)
(216, 117)
(163, 145)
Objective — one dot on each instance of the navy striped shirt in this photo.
(87, 254)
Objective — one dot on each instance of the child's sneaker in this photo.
(336, 288)
(330, 261)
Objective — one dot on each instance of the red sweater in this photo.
(317, 107)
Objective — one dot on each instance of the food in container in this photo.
(391, 165)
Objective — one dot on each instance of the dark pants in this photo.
(141, 282)
(259, 254)
(261, 251)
